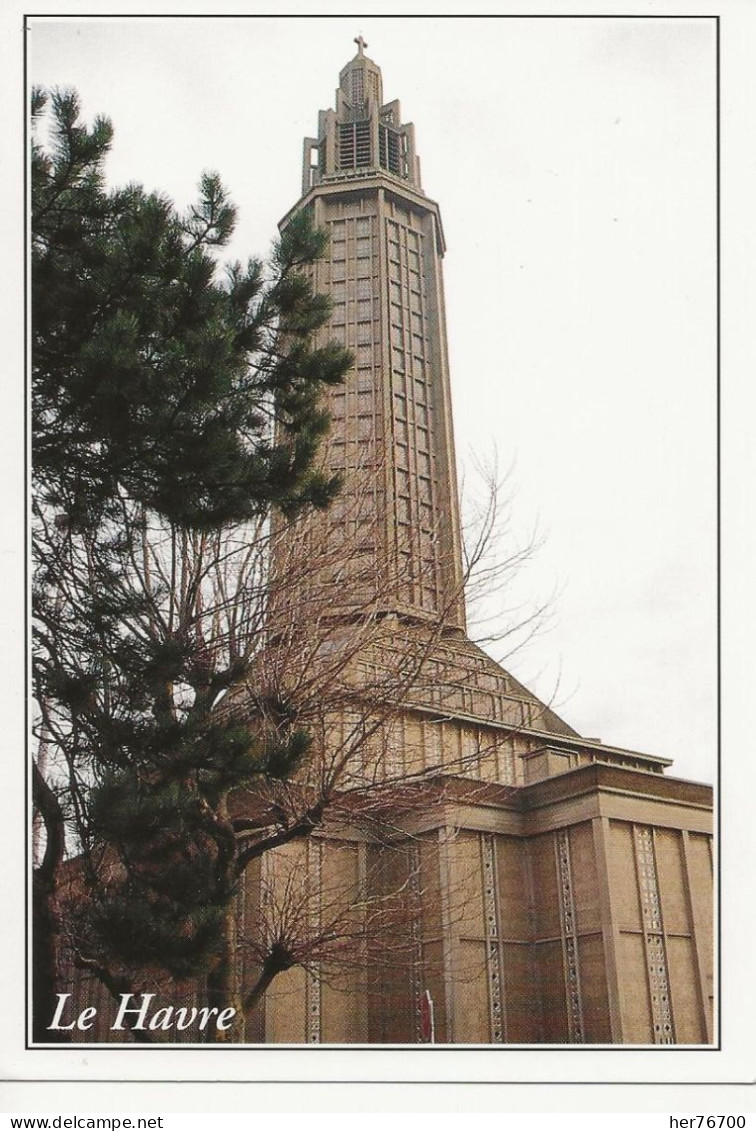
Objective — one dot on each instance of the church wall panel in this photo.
(672, 884)
(547, 922)
(594, 992)
(513, 894)
(550, 965)
(622, 875)
(285, 1012)
(699, 863)
(467, 893)
(701, 897)
(633, 981)
(391, 1020)
(686, 1002)
(344, 1007)
(521, 996)
(471, 1003)
(584, 877)
(430, 887)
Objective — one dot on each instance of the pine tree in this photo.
(167, 403)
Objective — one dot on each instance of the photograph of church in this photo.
(485, 875)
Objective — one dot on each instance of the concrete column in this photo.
(609, 927)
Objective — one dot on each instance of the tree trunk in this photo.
(45, 914)
(221, 984)
(255, 995)
(45, 940)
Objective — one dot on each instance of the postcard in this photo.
(374, 509)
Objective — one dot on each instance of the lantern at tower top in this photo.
(363, 135)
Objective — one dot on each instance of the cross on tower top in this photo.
(361, 44)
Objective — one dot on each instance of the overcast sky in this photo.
(574, 163)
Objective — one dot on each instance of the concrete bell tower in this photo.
(391, 436)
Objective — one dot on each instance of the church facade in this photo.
(563, 886)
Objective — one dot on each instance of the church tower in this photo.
(391, 433)
(391, 436)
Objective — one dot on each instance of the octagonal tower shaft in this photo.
(391, 435)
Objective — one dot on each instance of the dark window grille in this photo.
(390, 151)
(362, 142)
(346, 147)
(354, 145)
